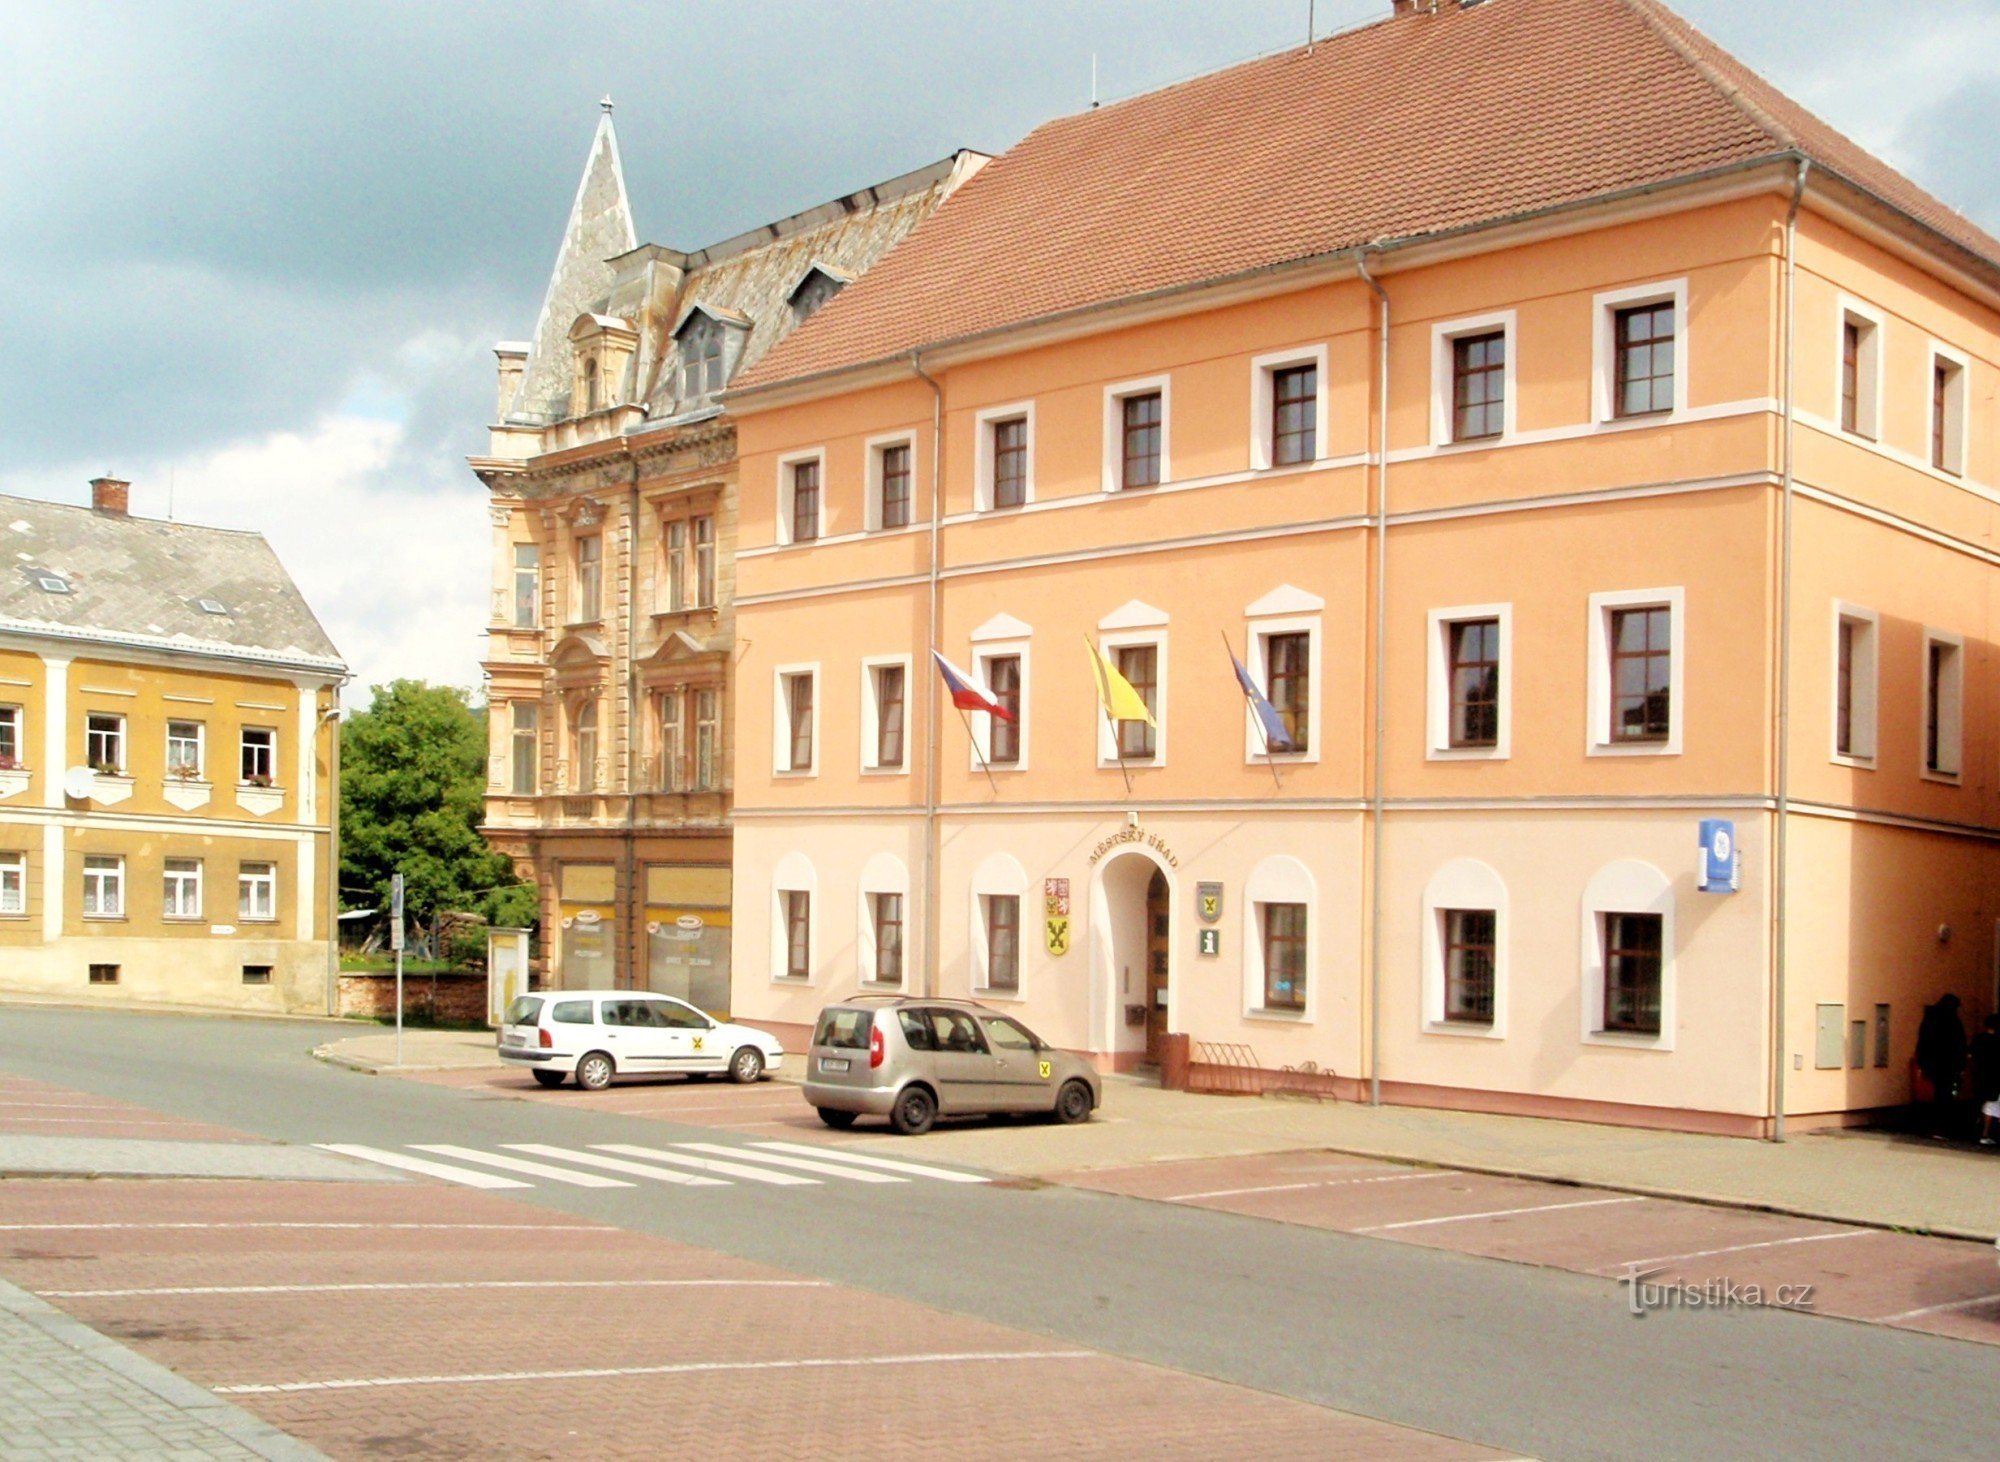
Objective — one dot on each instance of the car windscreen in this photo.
(524, 1010)
(844, 1029)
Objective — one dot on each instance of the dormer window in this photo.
(591, 395)
(819, 285)
(701, 357)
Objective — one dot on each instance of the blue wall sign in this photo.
(1721, 865)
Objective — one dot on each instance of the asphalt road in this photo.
(1530, 1359)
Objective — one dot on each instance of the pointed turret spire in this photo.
(599, 228)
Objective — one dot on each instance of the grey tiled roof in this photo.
(138, 582)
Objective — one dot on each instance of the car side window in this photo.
(957, 1031)
(678, 1017)
(916, 1030)
(1010, 1035)
(572, 1012)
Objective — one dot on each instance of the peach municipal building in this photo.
(1591, 459)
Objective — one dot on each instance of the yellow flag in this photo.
(1114, 692)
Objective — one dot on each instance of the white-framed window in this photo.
(670, 708)
(676, 585)
(1140, 656)
(1136, 431)
(1949, 374)
(184, 750)
(1472, 379)
(701, 529)
(181, 893)
(1004, 470)
(527, 585)
(1856, 633)
(104, 742)
(795, 720)
(885, 721)
(103, 887)
(998, 889)
(707, 739)
(892, 481)
(1858, 387)
(589, 578)
(257, 893)
(801, 496)
(884, 914)
(13, 884)
(259, 756)
(1464, 940)
(583, 744)
(794, 954)
(1468, 678)
(1288, 408)
(1944, 705)
(1637, 672)
(1640, 368)
(525, 740)
(1284, 663)
(12, 739)
(1001, 744)
(1280, 940)
(1627, 957)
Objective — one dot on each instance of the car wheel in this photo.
(914, 1112)
(594, 1072)
(746, 1066)
(838, 1120)
(1073, 1102)
(549, 1078)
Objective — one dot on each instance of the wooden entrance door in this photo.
(1158, 920)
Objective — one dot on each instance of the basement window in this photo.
(256, 974)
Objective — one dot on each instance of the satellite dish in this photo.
(79, 782)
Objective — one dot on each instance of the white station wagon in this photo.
(596, 1035)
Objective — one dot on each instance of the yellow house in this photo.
(167, 764)
(1589, 458)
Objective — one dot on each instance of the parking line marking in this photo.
(420, 1165)
(111, 1121)
(684, 1368)
(803, 1164)
(1939, 1309)
(206, 1289)
(522, 1165)
(1382, 1228)
(1293, 1187)
(73, 1106)
(709, 1165)
(511, 1228)
(887, 1164)
(1846, 1233)
(619, 1165)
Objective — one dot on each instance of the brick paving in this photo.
(31, 1108)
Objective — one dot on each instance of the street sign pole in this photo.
(396, 942)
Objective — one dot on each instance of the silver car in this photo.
(913, 1060)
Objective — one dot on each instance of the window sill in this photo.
(796, 982)
(1629, 1040)
(1011, 997)
(1466, 753)
(576, 624)
(104, 918)
(1277, 1013)
(1474, 444)
(1943, 779)
(260, 919)
(788, 775)
(1856, 763)
(183, 919)
(1477, 1030)
(885, 771)
(1670, 747)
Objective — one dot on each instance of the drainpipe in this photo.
(331, 721)
(1377, 796)
(1780, 881)
(633, 904)
(932, 781)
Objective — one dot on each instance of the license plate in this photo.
(833, 1063)
(513, 1038)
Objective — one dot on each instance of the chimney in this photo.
(111, 496)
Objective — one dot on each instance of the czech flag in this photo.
(968, 692)
(1269, 723)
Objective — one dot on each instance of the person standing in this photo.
(1986, 1079)
(1941, 1058)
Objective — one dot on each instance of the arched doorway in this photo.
(1130, 943)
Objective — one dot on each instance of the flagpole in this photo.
(1262, 735)
(977, 751)
(1104, 710)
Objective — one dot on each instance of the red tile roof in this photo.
(1415, 125)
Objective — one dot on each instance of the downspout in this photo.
(1780, 880)
(1377, 794)
(932, 782)
(633, 904)
(330, 719)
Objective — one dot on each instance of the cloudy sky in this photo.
(255, 254)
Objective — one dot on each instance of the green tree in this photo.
(412, 779)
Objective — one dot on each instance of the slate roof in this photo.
(1416, 125)
(138, 582)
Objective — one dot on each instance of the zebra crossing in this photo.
(628, 1165)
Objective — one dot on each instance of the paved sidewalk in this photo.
(1885, 1180)
(66, 1391)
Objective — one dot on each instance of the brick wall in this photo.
(459, 997)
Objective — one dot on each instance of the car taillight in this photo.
(874, 1048)
(547, 1040)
